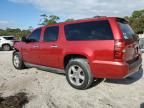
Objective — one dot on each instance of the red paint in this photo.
(100, 53)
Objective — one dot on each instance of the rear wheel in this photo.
(17, 61)
(78, 74)
(6, 47)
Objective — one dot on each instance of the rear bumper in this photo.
(115, 70)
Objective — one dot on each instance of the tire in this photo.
(17, 61)
(6, 47)
(78, 74)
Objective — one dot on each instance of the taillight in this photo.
(119, 49)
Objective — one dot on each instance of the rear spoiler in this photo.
(122, 20)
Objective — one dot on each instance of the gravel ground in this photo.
(50, 90)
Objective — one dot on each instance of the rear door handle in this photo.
(35, 46)
(54, 46)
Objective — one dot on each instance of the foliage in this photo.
(15, 32)
(47, 20)
(69, 20)
(136, 20)
(52, 19)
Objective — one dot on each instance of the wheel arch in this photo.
(5, 44)
(17, 50)
(68, 57)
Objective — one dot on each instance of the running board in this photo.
(50, 69)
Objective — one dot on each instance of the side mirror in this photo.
(23, 39)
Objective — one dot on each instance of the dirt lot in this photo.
(49, 90)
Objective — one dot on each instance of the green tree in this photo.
(53, 19)
(15, 32)
(44, 19)
(47, 20)
(30, 28)
(138, 14)
(136, 20)
(69, 20)
(2, 32)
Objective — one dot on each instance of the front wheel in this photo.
(6, 47)
(78, 74)
(17, 61)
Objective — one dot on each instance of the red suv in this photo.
(104, 47)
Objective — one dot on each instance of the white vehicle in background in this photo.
(6, 42)
(141, 43)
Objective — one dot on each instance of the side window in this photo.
(9, 38)
(51, 34)
(95, 30)
(34, 36)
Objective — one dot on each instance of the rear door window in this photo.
(95, 30)
(51, 34)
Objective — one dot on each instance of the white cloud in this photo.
(6, 24)
(85, 8)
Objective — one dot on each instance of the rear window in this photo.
(127, 31)
(95, 30)
(9, 38)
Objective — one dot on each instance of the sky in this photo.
(25, 13)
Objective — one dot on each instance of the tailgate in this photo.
(132, 50)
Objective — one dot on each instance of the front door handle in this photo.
(54, 46)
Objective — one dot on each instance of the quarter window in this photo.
(127, 31)
(51, 34)
(95, 30)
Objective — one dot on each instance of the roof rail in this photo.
(87, 18)
(99, 16)
(90, 18)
